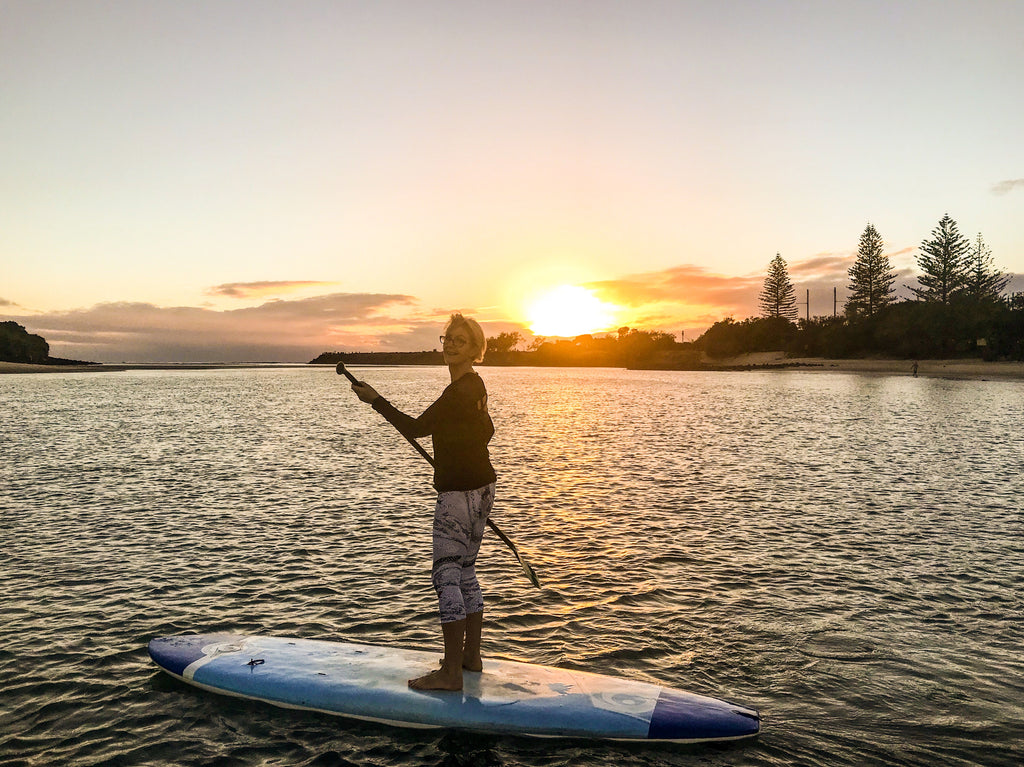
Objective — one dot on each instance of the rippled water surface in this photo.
(841, 551)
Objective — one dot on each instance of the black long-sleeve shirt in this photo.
(460, 427)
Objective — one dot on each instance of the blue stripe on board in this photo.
(682, 716)
(176, 653)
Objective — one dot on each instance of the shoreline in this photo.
(102, 367)
(973, 369)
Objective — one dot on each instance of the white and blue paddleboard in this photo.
(369, 682)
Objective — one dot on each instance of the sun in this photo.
(569, 311)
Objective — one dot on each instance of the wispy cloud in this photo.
(687, 297)
(264, 289)
(686, 284)
(1005, 187)
(823, 266)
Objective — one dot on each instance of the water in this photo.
(841, 551)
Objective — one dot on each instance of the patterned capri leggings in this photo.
(459, 520)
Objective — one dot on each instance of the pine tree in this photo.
(943, 262)
(778, 299)
(983, 282)
(871, 276)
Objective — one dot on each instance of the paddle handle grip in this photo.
(343, 371)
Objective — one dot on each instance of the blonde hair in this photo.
(476, 333)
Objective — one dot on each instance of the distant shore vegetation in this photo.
(958, 309)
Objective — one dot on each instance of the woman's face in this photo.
(458, 346)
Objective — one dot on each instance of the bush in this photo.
(18, 345)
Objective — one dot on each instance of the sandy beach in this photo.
(963, 368)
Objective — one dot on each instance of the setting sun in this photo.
(569, 311)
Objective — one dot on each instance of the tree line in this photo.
(627, 347)
(958, 308)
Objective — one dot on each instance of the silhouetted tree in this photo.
(871, 276)
(983, 282)
(723, 339)
(778, 299)
(18, 345)
(912, 329)
(728, 338)
(824, 336)
(504, 342)
(943, 262)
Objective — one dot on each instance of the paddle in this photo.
(342, 371)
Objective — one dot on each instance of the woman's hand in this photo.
(365, 392)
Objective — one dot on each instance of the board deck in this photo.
(369, 682)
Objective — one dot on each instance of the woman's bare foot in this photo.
(468, 665)
(441, 679)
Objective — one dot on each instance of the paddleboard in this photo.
(369, 682)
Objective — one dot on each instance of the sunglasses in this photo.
(457, 341)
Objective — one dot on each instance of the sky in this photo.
(264, 181)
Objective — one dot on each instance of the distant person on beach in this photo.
(914, 368)
(464, 479)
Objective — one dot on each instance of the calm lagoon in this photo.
(841, 551)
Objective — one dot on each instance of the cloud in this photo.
(295, 330)
(686, 284)
(824, 266)
(263, 289)
(692, 298)
(685, 297)
(5, 302)
(276, 331)
(1005, 187)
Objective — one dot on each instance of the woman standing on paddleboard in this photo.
(460, 427)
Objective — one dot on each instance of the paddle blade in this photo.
(515, 551)
(528, 570)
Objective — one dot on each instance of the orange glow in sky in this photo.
(342, 176)
(569, 310)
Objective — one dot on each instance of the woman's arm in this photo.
(453, 405)
(409, 426)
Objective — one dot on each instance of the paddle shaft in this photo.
(422, 451)
(342, 370)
